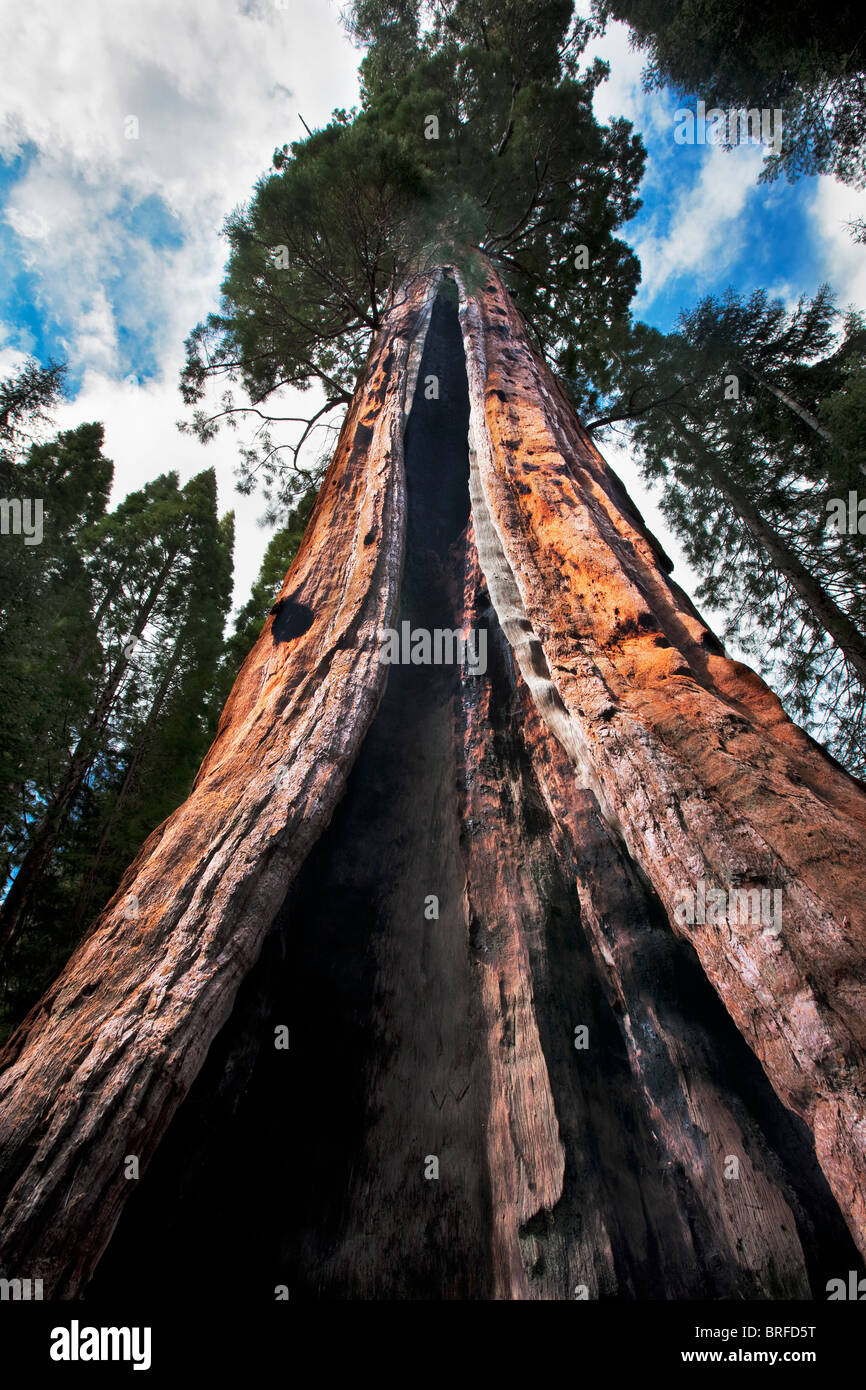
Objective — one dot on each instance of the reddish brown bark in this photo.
(692, 759)
(558, 806)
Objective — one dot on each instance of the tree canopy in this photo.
(111, 673)
(475, 135)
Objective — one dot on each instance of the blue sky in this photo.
(779, 252)
(110, 249)
(706, 221)
(34, 319)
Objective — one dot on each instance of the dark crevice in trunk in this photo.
(249, 1187)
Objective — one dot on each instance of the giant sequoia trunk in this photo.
(517, 1068)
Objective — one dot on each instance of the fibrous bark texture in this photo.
(518, 1066)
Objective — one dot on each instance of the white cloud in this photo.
(209, 82)
(622, 94)
(703, 229)
(12, 358)
(842, 261)
(96, 337)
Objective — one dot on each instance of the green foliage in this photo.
(111, 653)
(48, 644)
(167, 708)
(25, 400)
(806, 58)
(843, 411)
(751, 417)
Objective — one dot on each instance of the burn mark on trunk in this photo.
(291, 619)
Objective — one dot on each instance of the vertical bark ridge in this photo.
(690, 757)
